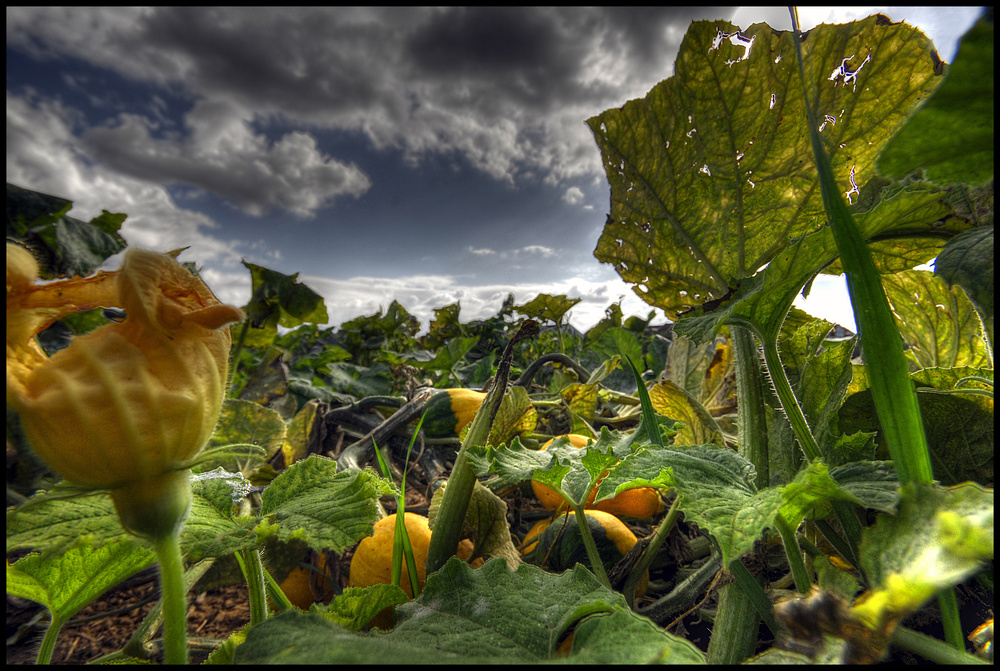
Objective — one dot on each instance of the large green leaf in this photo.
(485, 616)
(951, 137)
(212, 529)
(311, 501)
(939, 324)
(712, 172)
(908, 210)
(64, 246)
(719, 495)
(967, 260)
(53, 524)
(570, 469)
(66, 583)
(959, 426)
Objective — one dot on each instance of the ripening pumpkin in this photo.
(372, 560)
(559, 544)
(450, 411)
(639, 503)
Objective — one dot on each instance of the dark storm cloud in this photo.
(539, 56)
(518, 53)
(505, 88)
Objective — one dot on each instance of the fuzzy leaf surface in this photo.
(485, 616)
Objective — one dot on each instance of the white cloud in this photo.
(573, 195)
(480, 251)
(539, 250)
(224, 156)
(44, 155)
(420, 294)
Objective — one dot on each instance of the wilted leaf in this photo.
(296, 444)
(699, 427)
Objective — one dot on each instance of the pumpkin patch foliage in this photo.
(726, 488)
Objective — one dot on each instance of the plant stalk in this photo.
(734, 632)
(596, 565)
(168, 554)
(49, 642)
(752, 435)
(737, 621)
(253, 572)
(447, 529)
(646, 560)
(888, 372)
(794, 554)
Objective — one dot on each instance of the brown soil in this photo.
(107, 624)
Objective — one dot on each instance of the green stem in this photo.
(800, 426)
(49, 642)
(136, 646)
(454, 506)
(168, 553)
(752, 588)
(235, 356)
(253, 571)
(662, 531)
(447, 529)
(683, 595)
(734, 632)
(931, 649)
(888, 372)
(596, 565)
(892, 389)
(751, 427)
(950, 620)
(794, 554)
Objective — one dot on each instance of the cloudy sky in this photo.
(423, 155)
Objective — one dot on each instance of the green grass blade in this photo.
(401, 547)
(411, 562)
(893, 392)
(648, 414)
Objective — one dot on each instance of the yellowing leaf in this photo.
(712, 172)
(699, 427)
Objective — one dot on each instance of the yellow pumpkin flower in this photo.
(125, 406)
